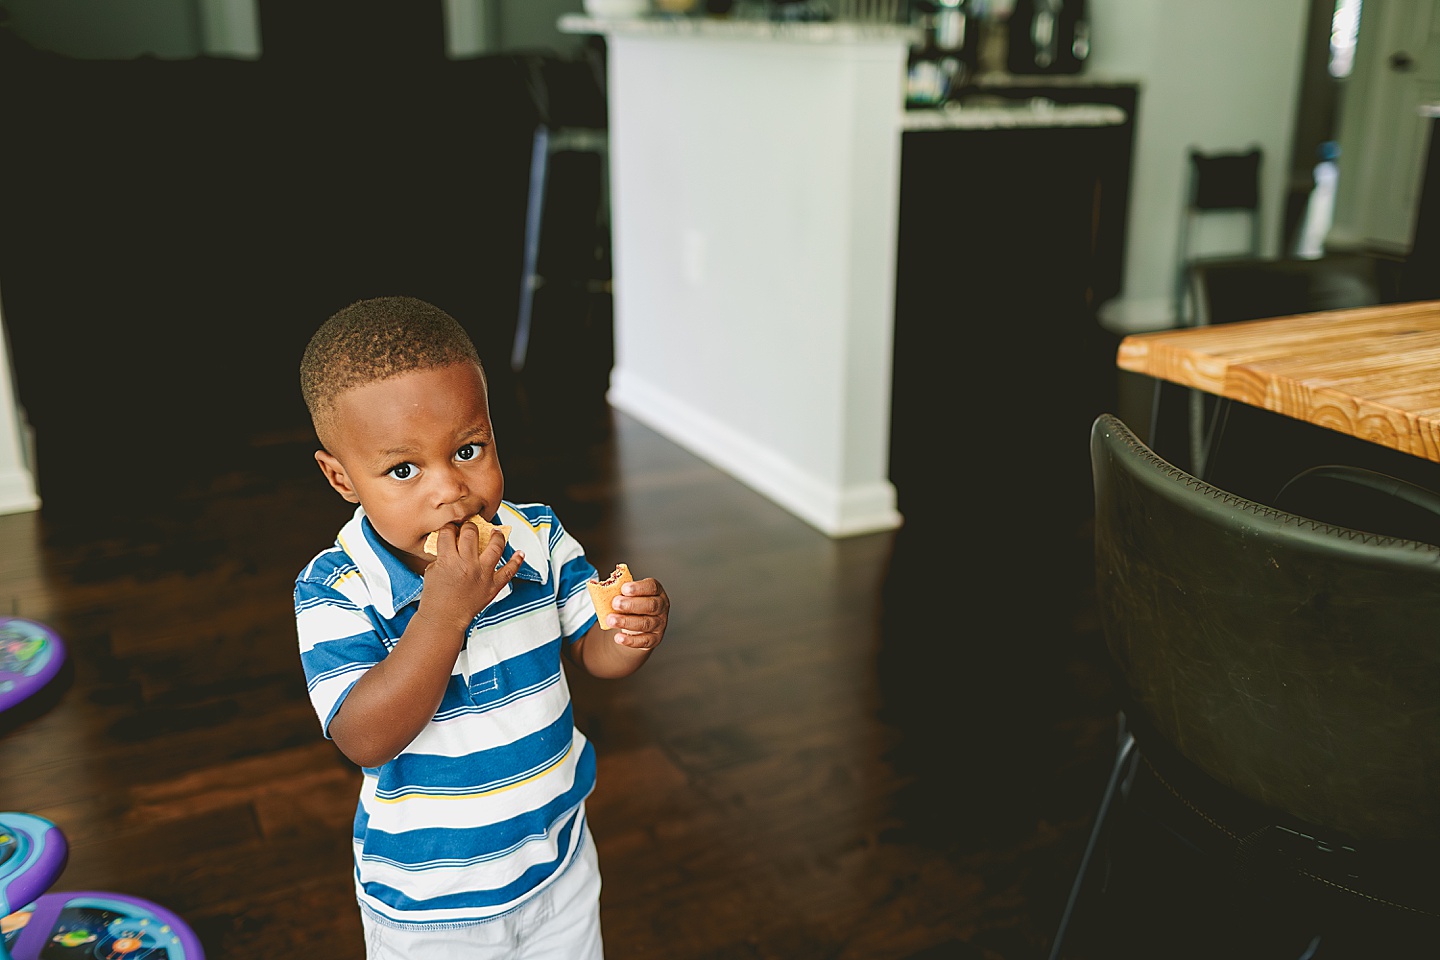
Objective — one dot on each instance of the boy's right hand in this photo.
(465, 575)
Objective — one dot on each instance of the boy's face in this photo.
(417, 451)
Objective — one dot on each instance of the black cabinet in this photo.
(1010, 237)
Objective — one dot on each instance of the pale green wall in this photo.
(1219, 75)
(104, 29)
(176, 29)
(531, 24)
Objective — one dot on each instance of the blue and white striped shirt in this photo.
(484, 807)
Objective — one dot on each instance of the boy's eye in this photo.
(468, 452)
(401, 471)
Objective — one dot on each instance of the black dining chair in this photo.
(1256, 288)
(1276, 785)
(1347, 495)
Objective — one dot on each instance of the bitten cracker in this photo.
(603, 591)
(432, 541)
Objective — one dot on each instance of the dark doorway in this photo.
(1330, 35)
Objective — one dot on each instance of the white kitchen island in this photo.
(754, 187)
(17, 482)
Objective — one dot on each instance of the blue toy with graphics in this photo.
(89, 924)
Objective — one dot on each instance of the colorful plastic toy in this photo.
(33, 852)
(90, 924)
(31, 654)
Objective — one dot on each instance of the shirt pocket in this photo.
(482, 673)
(480, 661)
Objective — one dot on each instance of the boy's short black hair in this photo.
(374, 340)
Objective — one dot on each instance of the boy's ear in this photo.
(335, 473)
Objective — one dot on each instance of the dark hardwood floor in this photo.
(886, 747)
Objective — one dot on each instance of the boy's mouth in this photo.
(431, 545)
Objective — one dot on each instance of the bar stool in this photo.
(570, 103)
(1218, 183)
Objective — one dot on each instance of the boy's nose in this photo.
(450, 487)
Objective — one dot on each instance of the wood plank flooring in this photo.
(880, 748)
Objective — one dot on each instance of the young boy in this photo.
(440, 675)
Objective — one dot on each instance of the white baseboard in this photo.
(17, 470)
(17, 492)
(835, 511)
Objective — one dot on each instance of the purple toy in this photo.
(110, 926)
(88, 924)
(30, 656)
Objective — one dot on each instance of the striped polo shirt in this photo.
(484, 807)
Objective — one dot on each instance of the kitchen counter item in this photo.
(617, 8)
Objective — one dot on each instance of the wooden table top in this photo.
(1372, 373)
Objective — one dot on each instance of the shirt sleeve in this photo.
(572, 568)
(338, 643)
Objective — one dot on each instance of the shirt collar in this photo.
(388, 578)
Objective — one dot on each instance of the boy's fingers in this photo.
(636, 639)
(512, 566)
(636, 622)
(639, 606)
(467, 531)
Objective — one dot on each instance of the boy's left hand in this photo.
(641, 613)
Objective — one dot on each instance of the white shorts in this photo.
(562, 922)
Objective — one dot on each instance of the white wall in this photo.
(755, 187)
(1219, 75)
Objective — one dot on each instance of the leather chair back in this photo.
(1296, 663)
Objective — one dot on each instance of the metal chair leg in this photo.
(529, 277)
(1125, 757)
